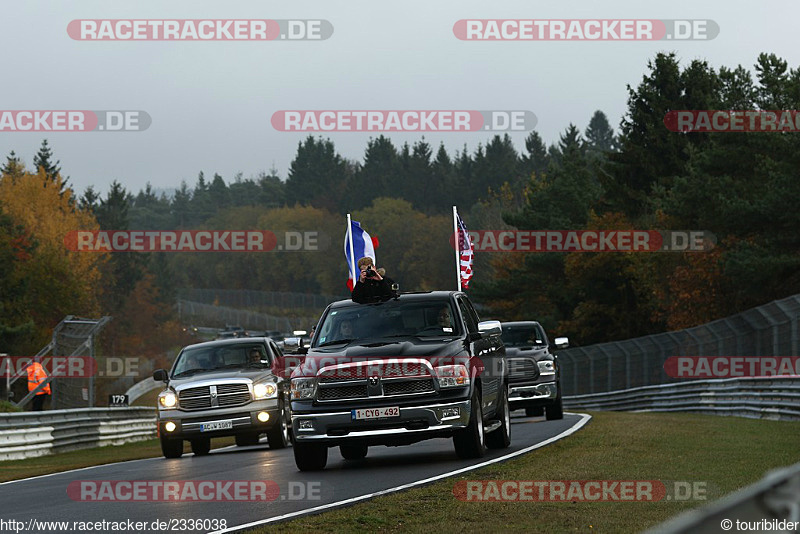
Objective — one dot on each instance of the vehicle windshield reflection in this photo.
(197, 360)
(523, 336)
(391, 319)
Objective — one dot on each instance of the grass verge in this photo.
(726, 453)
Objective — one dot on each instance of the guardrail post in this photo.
(627, 365)
(643, 357)
(573, 369)
(793, 320)
(90, 342)
(700, 348)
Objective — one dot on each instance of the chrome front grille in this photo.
(364, 380)
(522, 369)
(227, 395)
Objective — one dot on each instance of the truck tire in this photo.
(172, 448)
(556, 410)
(536, 411)
(501, 437)
(310, 456)
(278, 435)
(244, 440)
(201, 446)
(471, 441)
(353, 452)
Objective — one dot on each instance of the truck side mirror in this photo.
(490, 327)
(160, 375)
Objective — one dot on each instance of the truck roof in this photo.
(416, 296)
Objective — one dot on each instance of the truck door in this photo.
(486, 350)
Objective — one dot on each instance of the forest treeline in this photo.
(742, 187)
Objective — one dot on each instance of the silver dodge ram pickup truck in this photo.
(232, 387)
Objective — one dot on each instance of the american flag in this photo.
(465, 252)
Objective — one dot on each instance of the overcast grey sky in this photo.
(211, 102)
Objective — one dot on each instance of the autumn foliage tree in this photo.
(58, 281)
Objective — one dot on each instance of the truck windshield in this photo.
(391, 319)
(523, 336)
(199, 359)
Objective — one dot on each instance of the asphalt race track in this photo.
(45, 498)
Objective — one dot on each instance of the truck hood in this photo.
(437, 350)
(537, 353)
(221, 375)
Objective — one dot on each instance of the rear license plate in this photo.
(217, 425)
(375, 413)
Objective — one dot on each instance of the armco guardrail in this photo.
(29, 434)
(142, 387)
(760, 398)
(772, 503)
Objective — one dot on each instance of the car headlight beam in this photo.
(167, 400)
(266, 390)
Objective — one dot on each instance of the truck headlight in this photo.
(167, 399)
(546, 367)
(451, 376)
(266, 390)
(303, 388)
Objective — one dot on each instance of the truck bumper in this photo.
(244, 419)
(414, 424)
(546, 391)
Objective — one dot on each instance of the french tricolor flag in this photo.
(362, 246)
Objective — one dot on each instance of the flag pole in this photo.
(457, 247)
(352, 251)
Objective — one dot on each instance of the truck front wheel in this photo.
(310, 456)
(172, 448)
(471, 441)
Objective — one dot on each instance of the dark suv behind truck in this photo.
(534, 375)
(410, 368)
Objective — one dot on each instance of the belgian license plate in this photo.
(217, 425)
(375, 413)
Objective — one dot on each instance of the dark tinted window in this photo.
(199, 359)
(388, 319)
(523, 336)
(469, 315)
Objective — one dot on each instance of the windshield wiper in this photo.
(336, 342)
(229, 366)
